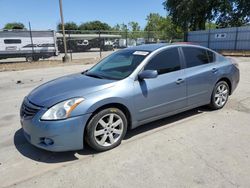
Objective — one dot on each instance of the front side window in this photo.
(165, 62)
(12, 41)
(195, 56)
(118, 65)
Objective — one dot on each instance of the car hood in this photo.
(76, 85)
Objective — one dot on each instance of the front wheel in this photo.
(220, 95)
(106, 129)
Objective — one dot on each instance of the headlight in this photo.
(62, 110)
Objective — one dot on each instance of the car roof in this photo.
(153, 47)
(149, 47)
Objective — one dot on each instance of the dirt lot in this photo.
(22, 65)
(90, 57)
(198, 148)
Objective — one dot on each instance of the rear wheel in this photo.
(36, 58)
(220, 95)
(106, 129)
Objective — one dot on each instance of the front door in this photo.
(166, 93)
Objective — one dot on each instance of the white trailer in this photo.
(30, 45)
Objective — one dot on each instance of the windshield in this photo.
(118, 65)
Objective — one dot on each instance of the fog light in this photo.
(48, 141)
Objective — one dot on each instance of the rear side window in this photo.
(165, 62)
(12, 41)
(195, 56)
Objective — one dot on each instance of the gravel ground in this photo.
(198, 148)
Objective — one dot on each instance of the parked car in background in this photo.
(127, 89)
(74, 45)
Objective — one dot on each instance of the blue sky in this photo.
(44, 14)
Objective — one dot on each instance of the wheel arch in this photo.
(118, 105)
(227, 80)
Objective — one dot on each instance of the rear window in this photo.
(195, 56)
(12, 41)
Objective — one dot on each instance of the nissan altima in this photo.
(127, 89)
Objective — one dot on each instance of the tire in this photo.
(36, 58)
(29, 59)
(104, 132)
(220, 95)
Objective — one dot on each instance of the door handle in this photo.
(214, 70)
(179, 81)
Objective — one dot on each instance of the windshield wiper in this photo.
(93, 75)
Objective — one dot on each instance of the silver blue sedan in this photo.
(127, 89)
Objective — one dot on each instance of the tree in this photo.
(117, 27)
(14, 25)
(134, 27)
(154, 21)
(120, 27)
(68, 26)
(211, 25)
(94, 25)
(162, 28)
(233, 13)
(193, 14)
(124, 27)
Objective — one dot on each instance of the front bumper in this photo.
(66, 134)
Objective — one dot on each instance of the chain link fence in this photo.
(84, 44)
(18, 45)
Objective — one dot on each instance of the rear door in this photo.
(200, 73)
(166, 93)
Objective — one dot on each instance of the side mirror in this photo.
(147, 74)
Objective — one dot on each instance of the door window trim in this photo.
(165, 49)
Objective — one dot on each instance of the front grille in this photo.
(28, 110)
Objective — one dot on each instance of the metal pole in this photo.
(31, 39)
(100, 44)
(148, 35)
(126, 36)
(208, 37)
(70, 46)
(236, 38)
(185, 33)
(65, 58)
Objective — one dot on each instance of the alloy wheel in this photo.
(221, 95)
(108, 129)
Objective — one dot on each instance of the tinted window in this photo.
(164, 62)
(211, 56)
(12, 41)
(195, 56)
